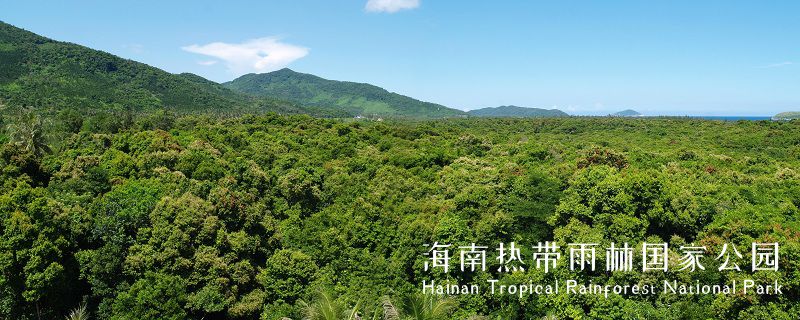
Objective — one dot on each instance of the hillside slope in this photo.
(517, 112)
(789, 115)
(356, 98)
(626, 113)
(44, 73)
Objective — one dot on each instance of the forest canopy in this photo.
(271, 216)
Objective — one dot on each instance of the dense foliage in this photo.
(290, 216)
(355, 98)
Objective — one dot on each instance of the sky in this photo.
(584, 57)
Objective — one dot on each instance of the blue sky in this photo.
(584, 57)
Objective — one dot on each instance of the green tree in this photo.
(287, 275)
(420, 306)
(326, 307)
(79, 313)
(157, 296)
(28, 132)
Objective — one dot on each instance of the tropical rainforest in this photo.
(131, 193)
(258, 216)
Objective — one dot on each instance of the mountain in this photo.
(44, 73)
(791, 115)
(626, 113)
(356, 98)
(517, 112)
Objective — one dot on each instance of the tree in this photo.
(420, 306)
(79, 313)
(287, 274)
(27, 132)
(326, 307)
(157, 296)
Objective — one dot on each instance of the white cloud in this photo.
(780, 64)
(256, 55)
(391, 6)
(207, 62)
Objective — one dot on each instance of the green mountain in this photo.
(791, 115)
(44, 73)
(626, 113)
(355, 98)
(517, 112)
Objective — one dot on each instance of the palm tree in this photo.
(79, 313)
(27, 132)
(326, 307)
(390, 312)
(427, 307)
(415, 307)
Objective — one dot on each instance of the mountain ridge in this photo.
(361, 99)
(787, 115)
(626, 113)
(55, 75)
(512, 111)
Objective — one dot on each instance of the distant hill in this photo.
(354, 98)
(626, 113)
(791, 115)
(43, 73)
(517, 112)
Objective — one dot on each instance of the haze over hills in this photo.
(789, 115)
(626, 113)
(355, 98)
(517, 112)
